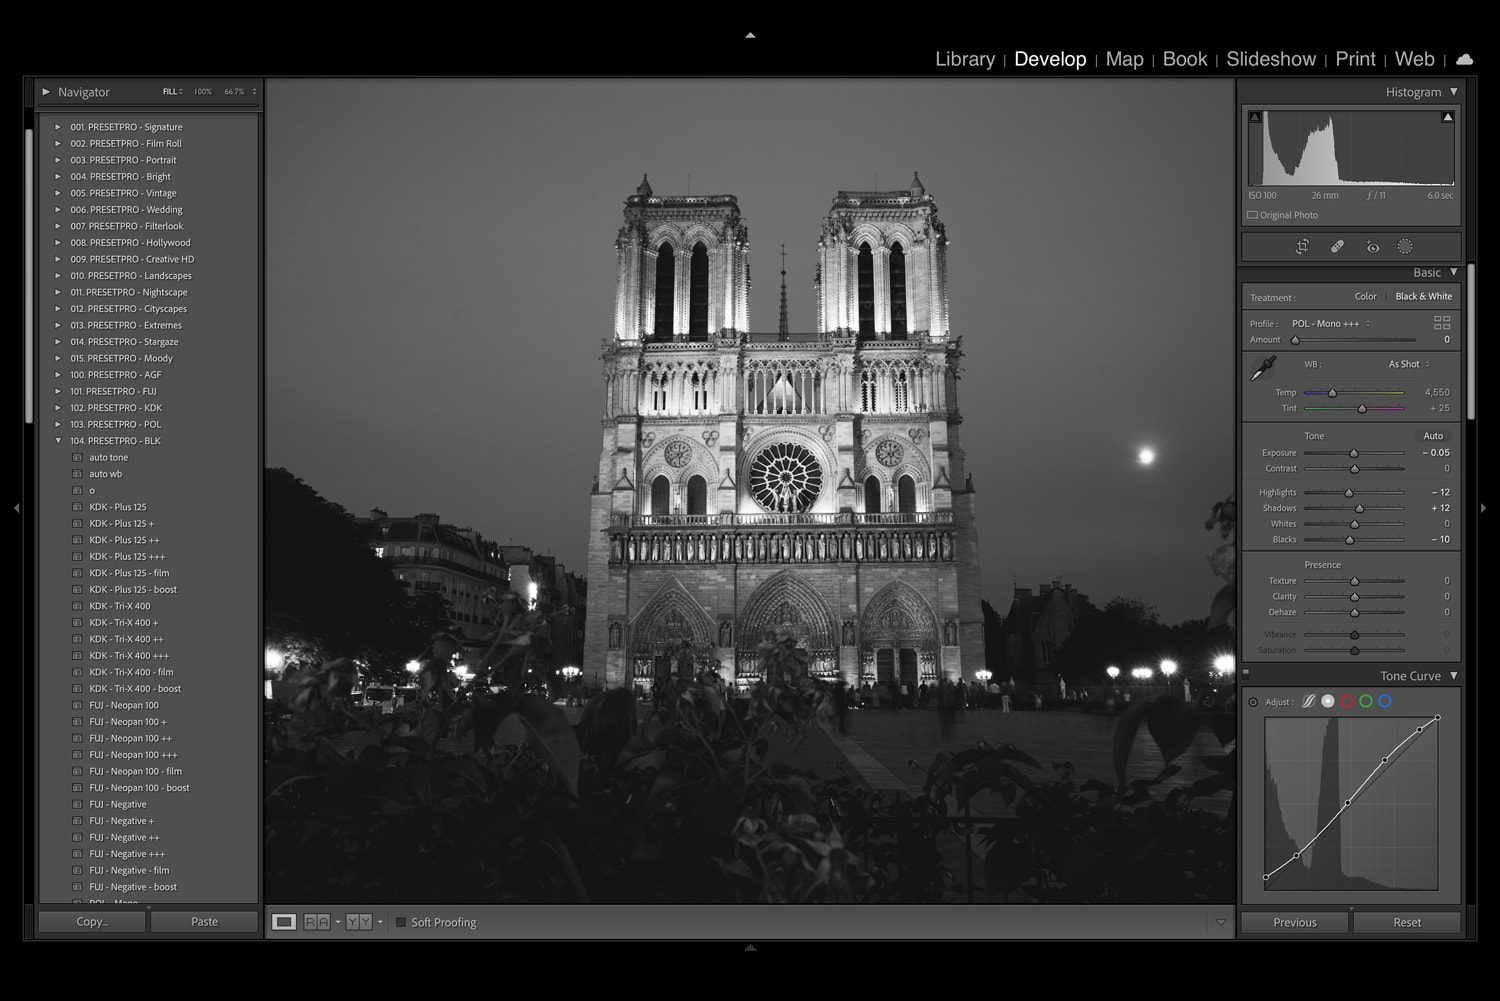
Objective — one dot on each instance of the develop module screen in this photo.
(622, 507)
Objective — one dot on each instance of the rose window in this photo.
(785, 477)
(678, 453)
(888, 452)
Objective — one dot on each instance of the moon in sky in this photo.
(1146, 456)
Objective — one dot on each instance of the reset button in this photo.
(1407, 923)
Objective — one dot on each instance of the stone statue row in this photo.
(846, 635)
(780, 547)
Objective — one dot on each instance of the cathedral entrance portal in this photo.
(908, 663)
(900, 634)
(786, 605)
(903, 666)
(671, 635)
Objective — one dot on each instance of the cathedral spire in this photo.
(782, 331)
(644, 188)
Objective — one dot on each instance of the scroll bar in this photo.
(1473, 360)
(29, 252)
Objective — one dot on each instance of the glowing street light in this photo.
(1112, 671)
(1141, 673)
(1169, 668)
(1224, 663)
(414, 667)
(275, 659)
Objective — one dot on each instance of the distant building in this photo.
(1036, 627)
(460, 566)
(427, 556)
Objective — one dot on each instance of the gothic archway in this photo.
(898, 627)
(670, 623)
(786, 603)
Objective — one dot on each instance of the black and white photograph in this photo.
(718, 491)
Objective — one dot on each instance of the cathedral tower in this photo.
(751, 485)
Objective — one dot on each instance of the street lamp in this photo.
(275, 663)
(1113, 672)
(1169, 668)
(1224, 663)
(571, 673)
(414, 667)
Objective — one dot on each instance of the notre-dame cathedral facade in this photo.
(752, 485)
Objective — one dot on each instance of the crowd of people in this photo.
(893, 696)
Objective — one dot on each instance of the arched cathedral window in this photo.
(666, 287)
(866, 291)
(906, 495)
(898, 293)
(698, 294)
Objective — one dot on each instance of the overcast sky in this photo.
(440, 273)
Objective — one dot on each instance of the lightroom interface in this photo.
(798, 503)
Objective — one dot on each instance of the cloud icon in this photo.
(1465, 60)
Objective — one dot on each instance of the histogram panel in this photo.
(1351, 166)
(1355, 147)
(1351, 803)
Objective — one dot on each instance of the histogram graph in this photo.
(1351, 803)
(1310, 148)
